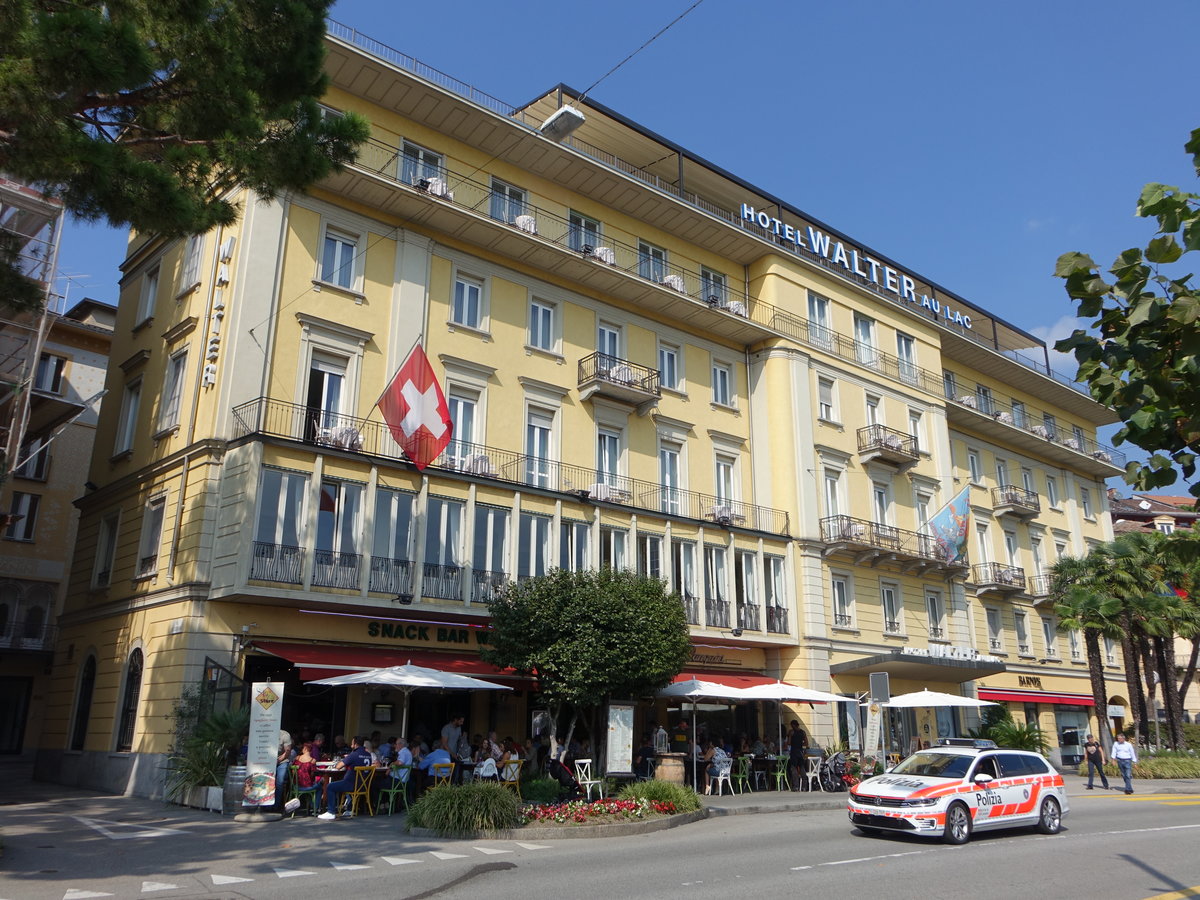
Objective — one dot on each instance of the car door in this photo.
(994, 800)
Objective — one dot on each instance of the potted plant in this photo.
(196, 775)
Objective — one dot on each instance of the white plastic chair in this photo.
(724, 769)
(813, 773)
(583, 774)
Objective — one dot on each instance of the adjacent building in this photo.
(650, 363)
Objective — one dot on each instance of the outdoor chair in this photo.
(442, 773)
(295, 792)
(813, 772)
(781, 773)
(649, 766)
(724, 768)
(510, 775)
(741, 778)
(397, 784)
(361, 790)
(583, 774)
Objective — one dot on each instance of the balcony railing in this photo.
(300, 423)
(777, 620)
(277, 562)
(486, 586)
(998, 576)
(391, 576)
(613, 376)
(442, 582)
(1017, 500)
(891, 626)
(995, 644)
(716, 612)
(886, 540)
(937, 632)
(32, 635)
(1039, 585)
(335, 570)
(843, 620)
(748, 616)
(1023, 649)
(691, 608)
(880, 442)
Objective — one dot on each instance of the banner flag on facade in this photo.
(415, 410)
(949, 528)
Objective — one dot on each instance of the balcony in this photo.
(335, 570)
(874, 544)
(618, 379)
(716, 612)
(843, 620)
(998, 578)
(1039, 586)
(878, 442)
(31, 635)
(277, 562)
(442, 582)
(691, 608)
(1010, 500)
(777, 620)
(391, 576)
(748, 617)
(937, 632)
(1027, 429)
(487, 586)
(295, 422)
(1024, 649)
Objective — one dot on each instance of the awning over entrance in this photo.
(315, 661)
(729, 679)
(1036, 697)
(922, 668)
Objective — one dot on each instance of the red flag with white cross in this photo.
(415, 410)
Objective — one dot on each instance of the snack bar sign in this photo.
(855, 262)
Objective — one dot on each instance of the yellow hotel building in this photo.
(650, 363)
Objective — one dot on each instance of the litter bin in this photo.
(235, 787)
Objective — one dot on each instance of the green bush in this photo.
(461, 810)
(541, 790)
(1191, 735)
(1151, 767)
(684, 798)
(1008, 734)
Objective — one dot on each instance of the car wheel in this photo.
(958, 824)
(1050, 818)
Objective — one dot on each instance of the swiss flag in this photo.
(415, 410)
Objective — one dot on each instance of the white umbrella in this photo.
(408, 678)
(781, 690)
(928, 699)
(697, 689)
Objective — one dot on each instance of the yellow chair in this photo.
(442, 773)
(510, 775)
(362, 789)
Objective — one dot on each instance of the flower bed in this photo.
(597, 812)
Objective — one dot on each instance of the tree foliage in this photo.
(147, 114)
(588, 636)
(1144, 359)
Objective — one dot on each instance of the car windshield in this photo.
(935, 765)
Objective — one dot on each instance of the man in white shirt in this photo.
(1124, 754)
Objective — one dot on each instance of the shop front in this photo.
(1064, 716)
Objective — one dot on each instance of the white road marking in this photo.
(533, 846)
(135, 831)
(151, 886)
(398, 860)
(491, 851)
(438, 854)
(291, 873)
(228, 879)
(347, 867)
(77, 894)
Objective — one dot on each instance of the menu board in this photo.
(262, 752)
(619, 752)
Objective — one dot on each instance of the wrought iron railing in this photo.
(843, 620)
(995, 644)
(442, 582)
(1023, 649)
(937, 632)
(1012, 495)
(748, 616)
(27, 634)
(620, 372)
(865, 533)
(777, 620)
(334, 569)
(1001, 574)
(891, 626)
(716, 612)
(486, 586)
(1039, 585)
(391, 576)
(880, 437)
(277, 562)
(691, 608)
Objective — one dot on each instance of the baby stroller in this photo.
(832, 770)
(564, 777)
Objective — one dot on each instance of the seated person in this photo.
(437, 755)
(643, 758)
(356, 757)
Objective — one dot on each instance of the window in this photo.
(48, 377)
(713, 290)
(1001, 472)
(714, 587)
(190, 274)
(106, 549)
(573, 546)
(281, 508)
(668, 477)
(1078, 437)
(1011, 551)
(1165, 527)
(775, 593)
(649, 562)
(820, 334)
(1027, 480)
(539, 428)
(906, 350)
(533, 545)
(873, 410)
(444, 533)
(491, 539)
(722, 376)
(34, 459)
(152, 528)
(168, 413)
(418, 164)
(338, 517)
(864, 340)
(1020, 418)
(937, 615)
(745, 583)
(468, 302)
(1050, 636)
(608, 457)
(147, 296)
(338, 252)
(983, 399)
(127, 423)
(995, 632)
(1022, 629)
(1073, 644)
(391, 544)
(129, 702)
(1050, 425)
(825, 407)
(1110, 651)
(973, 467)
(725, 469)
(325, 396)
(916, 428)
(683, 576)
(1052, 491)
(985, 550)
(882, 502)
(608, 340)
(924, 501)
(668, 366)
(950, 385)
(1035, 551)
(541, 325)
(22, 516)
(833, 492)
(652, 262)
(508, 202)
(462, 405)
(843, 608)
(83, 703)
(890, 600)
(584, 232)
(612, 547)
(1085, 500)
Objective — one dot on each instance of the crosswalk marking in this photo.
(77, 894)
(438, 854)
(228, 879)
(491, 851)
(291, 873)
(127, 830)
(398, 860)
(347, 867)
(151, 886)
(533, 846)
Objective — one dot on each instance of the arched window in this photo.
(35, 619)
(129, 704)
(83, 703)
(4, 614)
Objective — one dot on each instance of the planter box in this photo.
(203, 798)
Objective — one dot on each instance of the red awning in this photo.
(1037, 697)
(315, 661)
(729, 679)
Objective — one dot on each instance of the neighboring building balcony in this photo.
(777, 620)
(1027, 429)
(295, 422)
(1010, 500)
(878, 442)
(28, 636)
(619, 379)
(872, 543)
(1038, 586)
(998, 578)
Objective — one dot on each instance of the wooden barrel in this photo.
(669, 767)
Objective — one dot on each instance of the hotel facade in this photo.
(650, 363)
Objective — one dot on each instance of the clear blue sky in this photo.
(971, 142)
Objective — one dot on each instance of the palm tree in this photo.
(1082, 601)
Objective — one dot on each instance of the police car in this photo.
(958, 787)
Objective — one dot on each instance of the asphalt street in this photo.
(1113, 846)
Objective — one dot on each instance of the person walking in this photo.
(1124, 754)
(1094, 751)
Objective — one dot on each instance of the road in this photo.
(1113, 846)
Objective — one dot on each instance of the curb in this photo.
(831, 803)
(615, 829)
